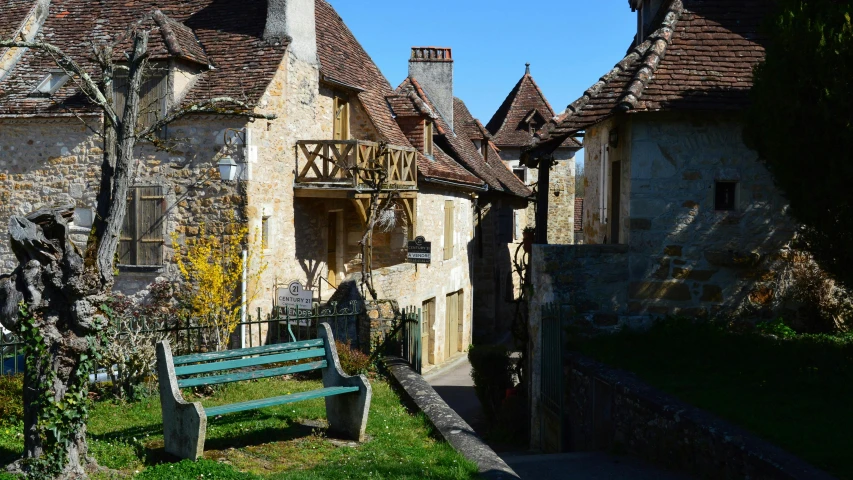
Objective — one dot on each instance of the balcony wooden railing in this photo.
(327, 163)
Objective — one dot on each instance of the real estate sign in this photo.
(294, 296)
(420, 251)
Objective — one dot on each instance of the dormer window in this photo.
(50, 84)
(428, 134)
(154, 97)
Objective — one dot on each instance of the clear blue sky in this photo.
(569, 43)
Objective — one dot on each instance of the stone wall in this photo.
(561, 207)
(686, 257)
(607, 409)
(376, 322)
(49, 161)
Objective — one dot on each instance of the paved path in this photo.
(453, 383)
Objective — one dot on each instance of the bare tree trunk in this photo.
(62, 293)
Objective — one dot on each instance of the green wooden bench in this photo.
(185, 424)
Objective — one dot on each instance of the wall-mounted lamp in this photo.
(227, 169)
(614, 138)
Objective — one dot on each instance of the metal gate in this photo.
(552, 379)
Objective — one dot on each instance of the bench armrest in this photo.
(347, 414)
(184, 423)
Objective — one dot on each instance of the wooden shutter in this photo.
(341, 126)
(141, 241)
(127, 243)
(448, 229)
(149, 223)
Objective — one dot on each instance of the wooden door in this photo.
(332, 249)
(428, 333)
(451, 330)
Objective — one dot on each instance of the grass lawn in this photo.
(795, 393)
(273, 443)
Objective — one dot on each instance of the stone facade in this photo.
(561, 219)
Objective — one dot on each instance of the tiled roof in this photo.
(493, 163)
(226, 34)
(579, 214)
(343, 59)
(699, 56)
(14, 13)
(509, 124)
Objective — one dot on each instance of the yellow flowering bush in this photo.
(211, 266)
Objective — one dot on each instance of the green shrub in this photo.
(353, 360)
(11, 398)
(776, 327)
(491, 370)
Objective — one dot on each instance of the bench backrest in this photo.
(312, 353)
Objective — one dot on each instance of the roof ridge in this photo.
(541, 94)
(651, 61)
(637, 53)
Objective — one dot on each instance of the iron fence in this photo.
(194, 335)
(411, 337)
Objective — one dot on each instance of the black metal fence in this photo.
(192, 335)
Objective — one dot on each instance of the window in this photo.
(265, 232)
(341, 126)
(448, 229)
(428, 134)
(725, 194)
(154, 95)
(141, 241)
(521, 173)
(505, 225)
(51, 83)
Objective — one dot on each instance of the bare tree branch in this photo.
(232, 106)
(67, 64)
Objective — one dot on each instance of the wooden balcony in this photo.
(326, 165)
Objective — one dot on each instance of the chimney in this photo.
(646, 12)
(293, 21)
(432, 67)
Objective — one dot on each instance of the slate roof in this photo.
(224, 34)
(699, 56)
(509, 124)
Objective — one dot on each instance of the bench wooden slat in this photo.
(249, 362)
(236, 377)
(243, 352)
(269, 402)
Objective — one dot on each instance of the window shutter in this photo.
(448, 229)
(127, 243)
(150, 225)
(141, 241)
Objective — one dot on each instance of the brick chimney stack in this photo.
(293, 21)
(432, 67)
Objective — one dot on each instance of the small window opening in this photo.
(428, 134)
(724, 196)
(265, 232)
(50, 84)
(520, 173)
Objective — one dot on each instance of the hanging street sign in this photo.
(420, 251)
(294, 296)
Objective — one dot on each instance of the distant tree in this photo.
(801, 122)
(580, 178)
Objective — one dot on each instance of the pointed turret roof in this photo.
(511, 124)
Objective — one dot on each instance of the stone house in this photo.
(680, 217)
(513, 127)
(295, 59)
(459, 137)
